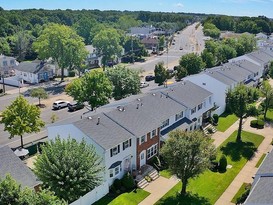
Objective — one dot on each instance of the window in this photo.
(111, 173)
(142, 139)
(153, 133)
(193, 110)
(152, 151)
(117, 170)
(165, 123)
(5, 63)
(178, 116)
(127, 144)
(114, 151)
(11, 62)
(200, 106)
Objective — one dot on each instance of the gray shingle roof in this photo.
(187, 93)
(261, 56)
(261, 193)
(137, 121)
(30, 67)
(267, 165)
(10, 163)
(107, 133)
(245, 64)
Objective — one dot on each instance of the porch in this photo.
(145, 174)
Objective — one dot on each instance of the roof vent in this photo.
(161, 96)
(138, 99)
(89, 118)
(120, 108)
(167, 95)
(137, 106)
(98, 121)
(141, 104)
(204, 84)
(153, 94)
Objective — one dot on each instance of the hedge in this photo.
(259, 124)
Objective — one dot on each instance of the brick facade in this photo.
(146, 145)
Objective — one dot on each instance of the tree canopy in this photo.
(107, 42)
(39, 93)
(20, 117)
(11, 193)
(78, 172)
(61, 43)
(188, 154)
(267, 92)
(192, 63)
(125, 81)
(94, 87)
(160, 73)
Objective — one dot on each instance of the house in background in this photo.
(13, 165)
(142, 32)
(93, 59)
(7, 65)
(35, 72)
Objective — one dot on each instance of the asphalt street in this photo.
(186, 41)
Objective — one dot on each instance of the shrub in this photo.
(210, 130)
(71, 73)
(215, 118)
(259, 124)
(242, 198)
(222, 163)
(127, 181)
(214, 166)
(117, 184)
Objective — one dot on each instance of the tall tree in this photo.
(94, 87)
(39, 93)
(61, 43)
(21, 117)
(188, 154)
(237, 101)
(78, 172)
(107, 42)
(9, 191)
(192, 62)
(125, 81)
(161, 73)
(267, 92)
(208, 58)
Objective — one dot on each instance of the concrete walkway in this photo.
(158, 189)
(249, 170)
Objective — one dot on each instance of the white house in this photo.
(35, 71)
(261, 36)
(7, 65)
(93, 60)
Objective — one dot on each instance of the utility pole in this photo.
(167, 52)
(132, 49)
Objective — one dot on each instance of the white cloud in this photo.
(179, 5)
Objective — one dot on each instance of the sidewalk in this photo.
(158, 189)
(249, 170)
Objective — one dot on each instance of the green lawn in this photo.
(165, 173)
(269, 115)
(225, 121)
(209, 186)
(131, 198)
(240, 192)
(260, 161)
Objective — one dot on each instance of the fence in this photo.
(93, 195)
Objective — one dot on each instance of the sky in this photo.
(227, 7)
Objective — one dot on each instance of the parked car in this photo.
(149, 77)
(60, 104)
(144, 84)
(75, 106)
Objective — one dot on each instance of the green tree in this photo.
(21, 117)
(180, 73)
(161, 43)
(9, 191)
(61, 43)
(208, 58)
(107, 42)
(192, 62)
(188, 154)
(84, 27)
(270, 72)
(125, 81)
(94, 87)
(78, 172)
(267, 92)
(39, 93)
(4, 46)
(161, 73)
(237, 101)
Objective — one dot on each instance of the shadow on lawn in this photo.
(237, 150)
(189, 199)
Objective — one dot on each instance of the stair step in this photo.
(142, 184)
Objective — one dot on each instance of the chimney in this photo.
(98, 121)
(141, 104)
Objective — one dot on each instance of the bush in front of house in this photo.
(215, 118)
(222, 164)
(210, 130)
(242, 198)
(259, 124)
(214, 166)
(71, 73)
(128, 181)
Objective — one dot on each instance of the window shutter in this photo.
(118, 148)
(123, 146)
(111, 152)
(130, 142)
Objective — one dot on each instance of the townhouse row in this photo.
(127, 134)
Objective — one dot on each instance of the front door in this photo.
(142, 158)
